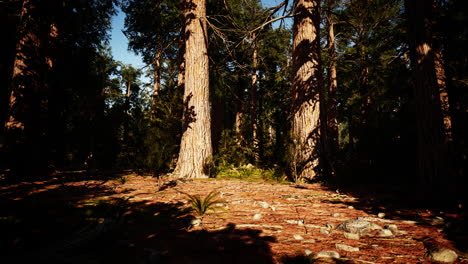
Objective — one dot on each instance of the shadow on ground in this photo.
(400, 204)
(49, 222)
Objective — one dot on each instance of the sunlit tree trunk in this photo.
(429, 120)
(305, 89)
(195, 156)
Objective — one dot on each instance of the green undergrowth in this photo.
(250, 173)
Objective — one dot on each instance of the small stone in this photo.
(355, 226)
(350, 207)
(273, 208)
(351, 236)
(308, 252)
(374, 246)
(263, 204)
(443, 255)
(393, 228)
(328, 254)
(298, 237)
(195, 222)
(438, 221)
(250, 166)
(381, 215)
(346, 248)
(257, 216)
(336, 215)
(375, 226)
(325, 231)
(385, 233)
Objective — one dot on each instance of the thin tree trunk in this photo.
(444, 97)
(429, 120)
(240, 110)
(332, 111)
(157, 74)
(254, 100)
(306, 89)
(195, 156)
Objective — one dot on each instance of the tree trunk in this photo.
(332, 111)
(305, 89)
(157, 74)
(240, 110)
(428, 108)
(24, 127)
(195, 156)
(254, 100)
(444, 97)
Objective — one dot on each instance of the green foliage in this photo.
(248, 173)
(203, 205)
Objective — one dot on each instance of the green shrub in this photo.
(202, 205)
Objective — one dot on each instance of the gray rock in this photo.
(350, 207)
(355, 226)
(308, 252)
(257, 216)
(385, 233)
(263, 204)
(381, 215)
(443, 255)
(346, 248)
(336, 215)
(351, 235)
(298, 237)
(328, 254)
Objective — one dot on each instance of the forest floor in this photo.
(76, 219)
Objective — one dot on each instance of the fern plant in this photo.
(202, 205)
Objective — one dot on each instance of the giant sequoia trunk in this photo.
(431, 154)
(195, 154)
(24, 128)
(304, 159)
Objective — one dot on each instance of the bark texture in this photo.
(25, 124)
(195, 156)
(431, 154)
(306, 85)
